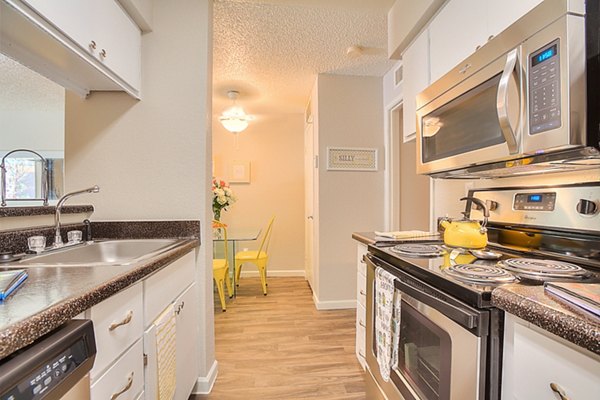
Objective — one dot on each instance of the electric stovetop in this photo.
(440, 269)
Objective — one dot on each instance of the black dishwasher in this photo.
(48, 368)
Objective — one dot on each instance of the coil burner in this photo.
(544, 270)
(479, 274)
(419, 250)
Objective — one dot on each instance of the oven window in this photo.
(467, 123)
(424, 355)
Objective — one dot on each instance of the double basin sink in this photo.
(101, 253)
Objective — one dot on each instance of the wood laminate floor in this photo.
(280, 347)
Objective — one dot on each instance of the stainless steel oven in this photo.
(443, 344)
(521, 96)
(447, 333)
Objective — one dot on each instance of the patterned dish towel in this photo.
(387, 321)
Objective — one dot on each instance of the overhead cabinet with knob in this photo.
(83, 45)
(462, 26)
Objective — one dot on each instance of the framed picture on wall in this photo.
(239, 171)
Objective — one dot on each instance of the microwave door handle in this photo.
(502, 103)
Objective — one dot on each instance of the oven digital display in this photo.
(535, 201)
(544, 55)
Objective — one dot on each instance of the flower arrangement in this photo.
(223, 197)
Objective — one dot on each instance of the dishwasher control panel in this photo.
(51, 367)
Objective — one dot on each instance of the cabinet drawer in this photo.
(539, 360)
(118, 322)
(360, 345)
(361, 316)
(161, 288)
(361, 290)
(126, 376)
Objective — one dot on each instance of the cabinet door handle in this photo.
(126, 388)
(125, 321)
(362, 324)
(362, 292)
(558, 390)
(92, 45)
(103, 53)
(360, 353)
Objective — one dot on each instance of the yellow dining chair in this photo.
(221, 268)
(257, 257)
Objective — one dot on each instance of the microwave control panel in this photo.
(544, 89)
(534, 201)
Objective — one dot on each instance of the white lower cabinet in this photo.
(126, 335)
(124, 379)
(361, 302)
(173, 287)
(534, 359)
(186, 308)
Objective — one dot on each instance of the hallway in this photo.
(281, 347)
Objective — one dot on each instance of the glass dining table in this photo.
(234, 238)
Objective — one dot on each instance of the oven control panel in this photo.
(569, 206)
(535, 201)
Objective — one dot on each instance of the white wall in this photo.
(273, 146)
(349, 115)
(151, 158)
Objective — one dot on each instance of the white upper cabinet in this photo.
(455, 33)
(415, 62)
(502, 13)
(463, 26)
(83, 45)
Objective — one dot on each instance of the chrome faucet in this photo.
(58, 242)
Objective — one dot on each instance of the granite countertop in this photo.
(365, 237)
(531, 304)
(52, 296)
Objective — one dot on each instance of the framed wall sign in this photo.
(351, 159)
(239, 172)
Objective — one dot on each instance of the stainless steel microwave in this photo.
(518, 103)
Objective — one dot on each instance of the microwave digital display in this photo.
(534, 198)
(544, 55)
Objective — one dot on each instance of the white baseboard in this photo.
(204, 384)
(270, 273)
(333, 305)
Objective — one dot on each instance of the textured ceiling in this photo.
(272, 50)
(22, 88)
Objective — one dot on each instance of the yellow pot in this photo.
(466, 234)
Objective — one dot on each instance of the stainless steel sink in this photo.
(110, 252)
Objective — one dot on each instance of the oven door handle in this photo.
(464, 317)
(502, 102)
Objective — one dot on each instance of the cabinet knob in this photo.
(125, 388)
(558, 390)
(490, 37)
(124, 321)
(362, 292)
(92, 45)
(361, 323)
(587, 207)
(103, 53)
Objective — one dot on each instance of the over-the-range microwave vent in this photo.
(578, 159)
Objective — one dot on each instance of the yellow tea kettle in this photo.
(466, 233)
